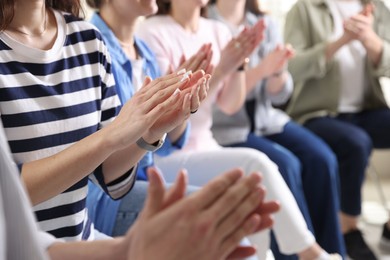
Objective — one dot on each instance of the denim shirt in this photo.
(122, 70)
(101, 209)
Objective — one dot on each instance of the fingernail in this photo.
(180, 72)
(177, 91)
(186, 76)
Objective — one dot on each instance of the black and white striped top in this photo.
(52, 99)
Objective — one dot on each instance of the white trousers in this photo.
(290, 227)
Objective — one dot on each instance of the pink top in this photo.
(170, 41)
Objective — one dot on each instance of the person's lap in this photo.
(202, 166)
(313, 184)
(352, 137)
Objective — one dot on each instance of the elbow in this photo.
(230, 109)
(229, 112)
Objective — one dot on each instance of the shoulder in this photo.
(155, 23)
(78, 29)
(218, 27)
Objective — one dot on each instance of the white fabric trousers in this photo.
(290, 227)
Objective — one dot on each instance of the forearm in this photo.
(176, 133)
(83, 250)
(232, 97)
(216, 80)
(253, 76)
(276, 83)
(374, 47)
(334, 46)
(48, 177)
(122, 161)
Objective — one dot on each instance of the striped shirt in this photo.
(51, 99)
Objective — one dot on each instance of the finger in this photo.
(234, 196)
(240, 213)
(186, 110)
(166, 106)
(361, 19)
(202, 90)
(206, 60)
(194, 79)
(177, 191)
(199, 58)
(210, 69)
(267, 221)
(368, 9)
(155, 195)
(245, 229)
(182, 59)
(349, 26)
(164, 90)
(161, 82)
(268, 207)
(147, 81)
(242, 252)
(195, 98)
(215, 188)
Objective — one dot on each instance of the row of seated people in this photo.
(303, 167)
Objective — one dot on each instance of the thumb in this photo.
(170, 70)
(177, 191)
(368, 9)
(182, 59)
(156, 193)
(147, 81)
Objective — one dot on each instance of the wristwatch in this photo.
(151, 147)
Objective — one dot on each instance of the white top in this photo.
(170, 41)
(137, 73)
(351, 58)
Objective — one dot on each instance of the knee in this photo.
(322, 156)
(359, 144)
(257, 161)
(289, 165)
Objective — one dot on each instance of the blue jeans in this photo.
(352, 137)
(126, 214)
(309, 168)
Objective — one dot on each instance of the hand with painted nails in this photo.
(154, 100)
(186, 96)
(239, 48)
(199, 61)
(208, 224)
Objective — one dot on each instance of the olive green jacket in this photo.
(317, 82)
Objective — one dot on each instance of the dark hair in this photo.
(7, 9)
(94, 3)
(252, 6)
(164, 7)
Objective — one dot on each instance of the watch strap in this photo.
(150, 147)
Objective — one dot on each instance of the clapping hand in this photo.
(208, 224)
(276, 61)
